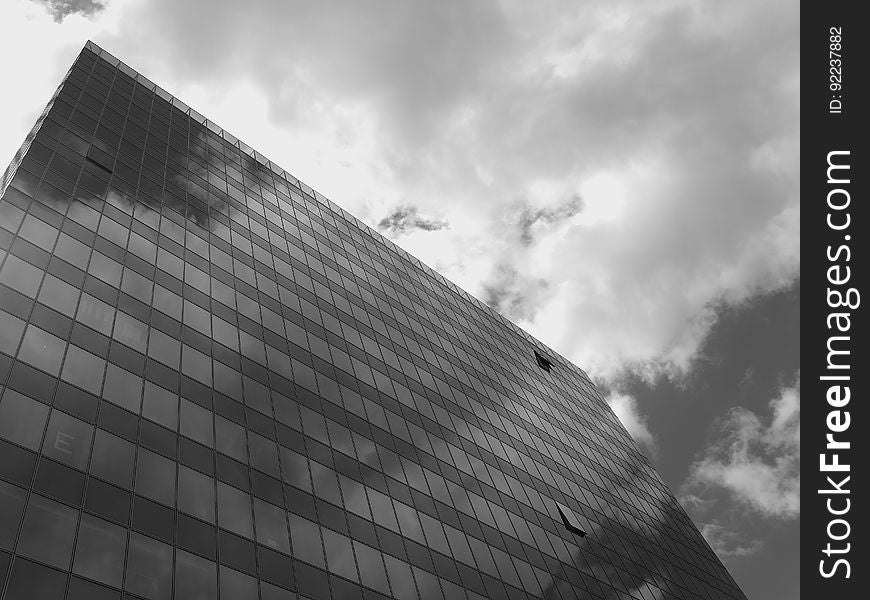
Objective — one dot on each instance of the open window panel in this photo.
(543, 362)
(569, 519)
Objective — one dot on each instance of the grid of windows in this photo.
(215, 383)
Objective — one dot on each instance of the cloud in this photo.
(533, 222)
(629, 414)
(753, 462)
(406, 218)
(60, 9)
(512, 293)
(728, 544)
(675, 121)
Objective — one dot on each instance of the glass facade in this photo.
(216, 383)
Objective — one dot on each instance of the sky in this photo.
(619, 178)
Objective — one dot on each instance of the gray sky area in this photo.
(618, 177)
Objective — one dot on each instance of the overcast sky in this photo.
(619, 178)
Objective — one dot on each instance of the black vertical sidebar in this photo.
(834, 371)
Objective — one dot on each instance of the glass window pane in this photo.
(271, 526)
(264, 454)
(195, 364)
(96, 314)
(122, 388)
(12, 500)
(371, 567)
(83, 369)
(155, 477)
(10, 216)
(30, 581)
(196, 318)
(196, 423)
(137, 286)
(234, 510)
(167, 302)
(112, 459)
(59, 295)
(72, 251)
(100, 551)
(149, 568)
(237, 586)
(103, 267)
(21, 276)
(11, 328)
(339, 554)
(38, 232)
(130, 331)
(306, 540)
(22, 420)
(48, 531)
(164, 348)
(68, 440)
(41, 349)
(195, 577)
(161, 406)
(195, 493)
(230, 438)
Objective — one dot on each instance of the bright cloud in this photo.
(627, 411)
(610, 172)
(754, 461)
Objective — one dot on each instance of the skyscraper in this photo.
(216, 383)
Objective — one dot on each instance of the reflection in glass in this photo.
(83, 369)
(39, 232)
(59, 295)
(22, 420)
(72, 251)
(155, 477)
(112, 459)
(12, 500)
(41, 349)
(103, 267)
(234, 510)
(196, 494)
(167, 302)
(137, 286)
(48, 531)
(271, 526)
(100, 551)
(149, 568)
(68, 440)
(306, 540)
(195, 577)
(164, 348)
(130, 331)
(339, 554)
(196, 423)
(237, 586)
(195, 364)
(11, 328)
(371, 567)
(122, 388)
(20, 276)
(160, 405)
(31, 581)
(230, 438)
(96, 314)
(264, 454)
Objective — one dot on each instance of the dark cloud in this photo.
(405, 219)
(532, 221)
(60, 9)
(515, 295)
